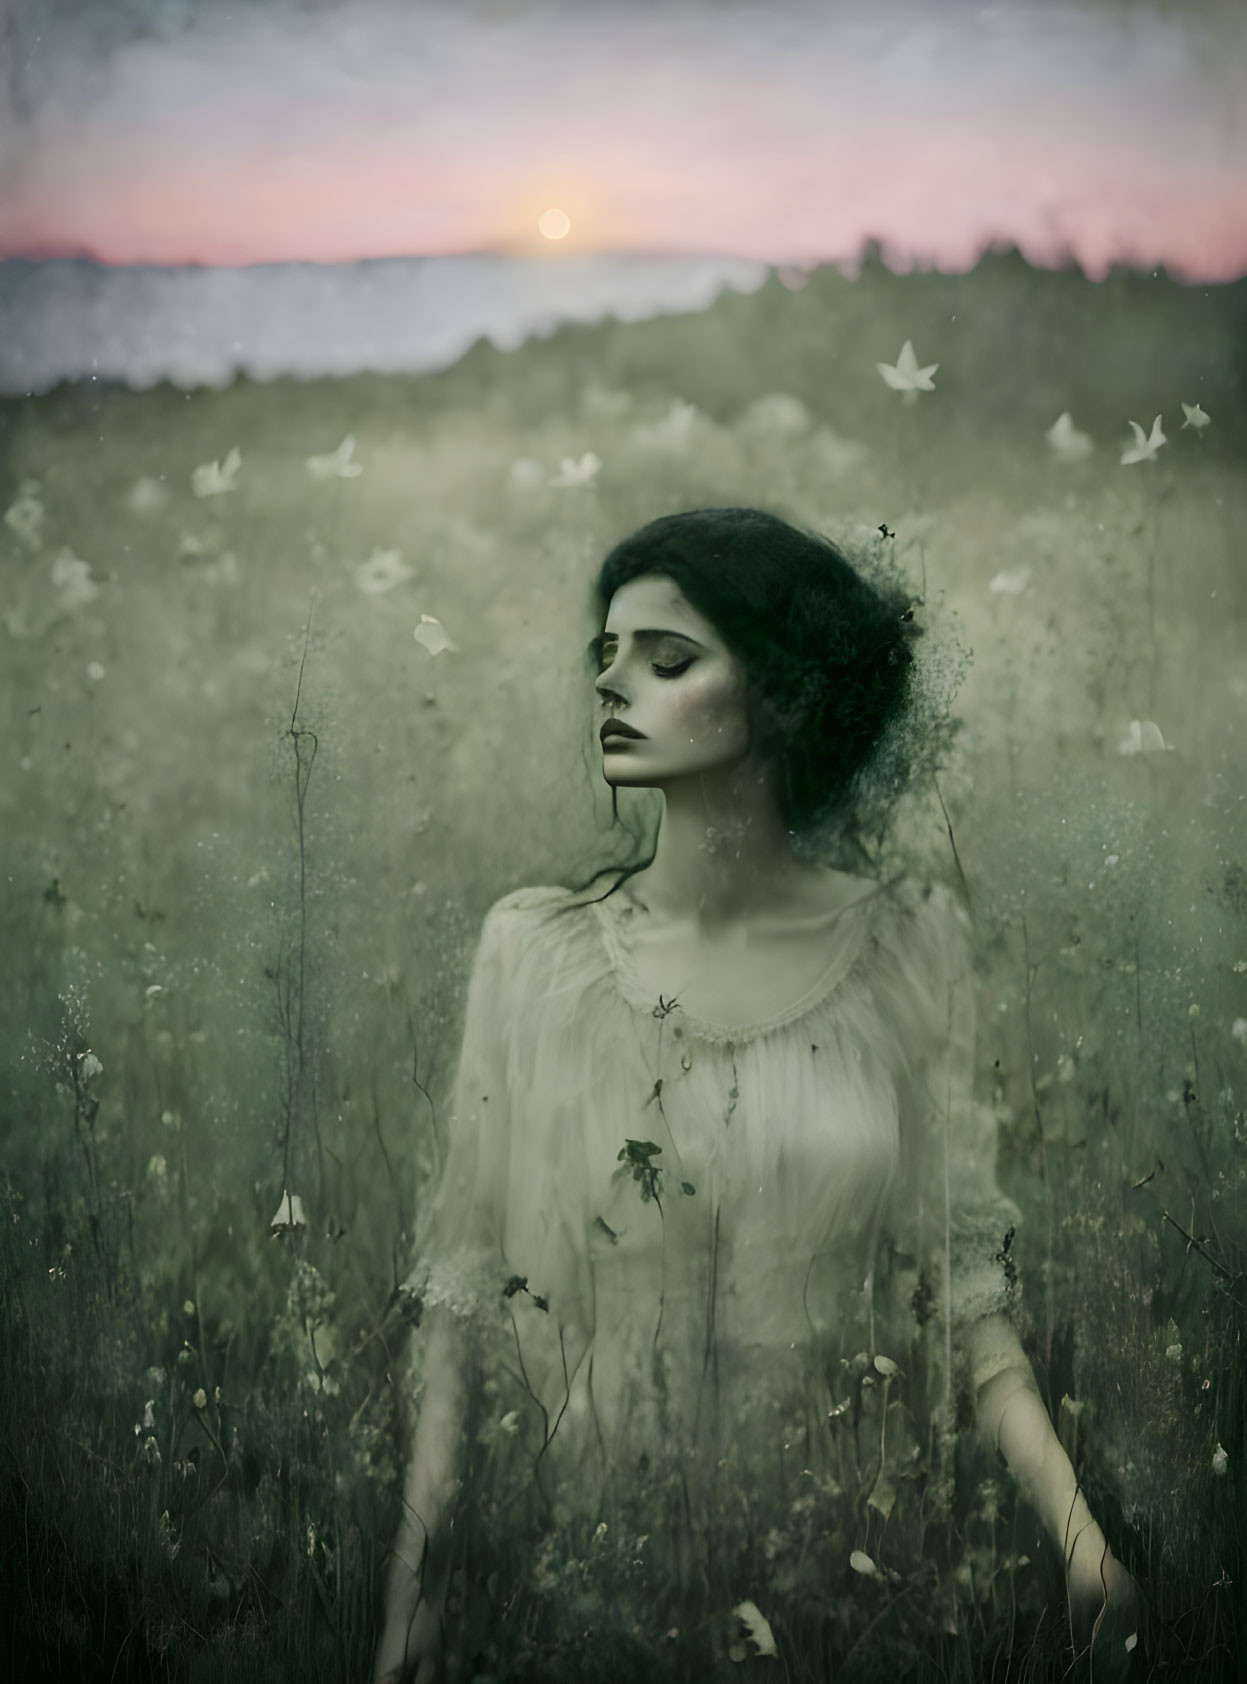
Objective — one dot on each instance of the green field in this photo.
(251, 825)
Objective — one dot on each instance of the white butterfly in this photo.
(212, 479)
(1066, 442)
(432, 634)
(1143, 449)
(1195, 417)
(905, 376)
(338, 464)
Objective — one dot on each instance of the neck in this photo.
(723, 849)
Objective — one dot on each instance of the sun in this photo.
(554, 224)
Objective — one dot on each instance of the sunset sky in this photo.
(232, 132)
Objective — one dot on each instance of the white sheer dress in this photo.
(712, 1271)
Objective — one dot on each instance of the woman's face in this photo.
(667, 674)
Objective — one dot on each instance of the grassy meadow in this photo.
(252, 821)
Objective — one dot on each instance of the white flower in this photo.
(288, 1215)
(885, 1365)
(26, 515)
(200, 1399)
(1142, 737)
(94, 671)
(149, 1417)
(1143, 449)
(1238, 1030)
(381, 572)
(860, 1562)
(573, 473)
(1173, 1353)
(1066, 443)
(1220, 1461)
(1195, 417)
(146, 495)
(906, 376)
(509, 1423)
(432, 634)
(338, 464)
(72, 578)
(91, 1066)
(1011, 584)
(757, 1627)
(213, 479)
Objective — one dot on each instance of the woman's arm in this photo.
(417, 1585)
(1012, 1416)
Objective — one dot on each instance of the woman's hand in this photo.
(1106, 1609)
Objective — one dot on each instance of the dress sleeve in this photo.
(459, 1260)
(962, 1227)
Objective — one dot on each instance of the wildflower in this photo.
(757, 1627)
(1220, 1461)
(1066, 443)
(94, 671)
(1238, 1029)
(72, 579)
(860, 1562)
(149, 1416)
(1142, 737)
(26, 515)
(381, 572)
(1173, 1353)
(1011, 584)
(213, 479)
(885, 1365)
(509, 1423)
(432, 634)
(338, 464)
(288, 1216)
(572, 473)
(91, 1066)
(1143, 449)
(1195, 417)
(905, 376)
(200, 1399)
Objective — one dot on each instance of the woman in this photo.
(718, 1251)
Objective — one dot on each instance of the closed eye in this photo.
(672, 672)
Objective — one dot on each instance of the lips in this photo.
(617, 728)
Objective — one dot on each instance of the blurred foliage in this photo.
(252, 824)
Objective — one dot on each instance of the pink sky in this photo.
(270, 132)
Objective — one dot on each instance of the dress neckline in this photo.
(613, 914)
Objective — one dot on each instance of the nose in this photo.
(609, 695)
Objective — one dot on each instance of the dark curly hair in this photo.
(828, 655)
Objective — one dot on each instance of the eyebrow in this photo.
(648, 635)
